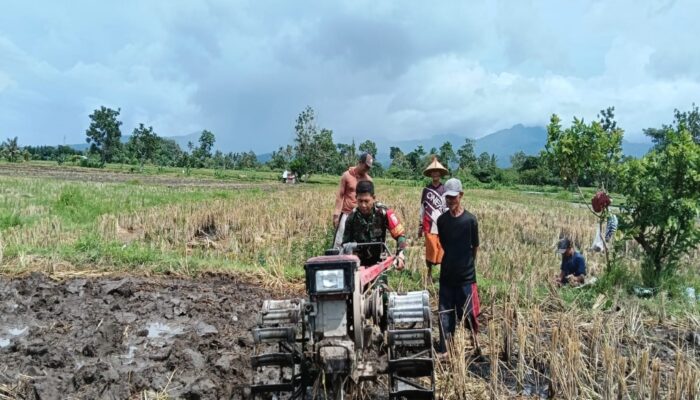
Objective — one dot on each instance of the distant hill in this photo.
(184, 139)
(85, 146)
(503, 144)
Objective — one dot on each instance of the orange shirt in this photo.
(345, 199)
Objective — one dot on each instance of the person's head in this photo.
(436, 175)
(453, 194)
(435, 171)
(364, 163)
(565, 247)
(364, 193)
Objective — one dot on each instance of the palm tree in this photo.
(11, 150)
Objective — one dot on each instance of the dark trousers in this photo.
(454, 301)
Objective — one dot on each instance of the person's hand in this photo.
(420, 232)
(572, 280)
(336, 221)
(400, 261)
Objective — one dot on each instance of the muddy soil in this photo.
(109, 176)
(119, 338)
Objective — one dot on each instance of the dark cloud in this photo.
(245, 69)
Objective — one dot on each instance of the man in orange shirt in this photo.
(345, 200)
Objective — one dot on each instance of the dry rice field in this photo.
(539, 341)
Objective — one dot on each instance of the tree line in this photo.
(144, 146)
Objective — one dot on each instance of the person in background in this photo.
(458, 231)
(573, 265)
(432, 205)
(369, 223)
(345, 200)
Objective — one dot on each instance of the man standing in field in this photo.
(573, 265)
(458, 231)
(432, 205)
(345, 200)
(369, 223)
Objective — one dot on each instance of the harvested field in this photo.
(598, 342)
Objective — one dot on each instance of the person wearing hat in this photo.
(432, 205)
(345, 200)
(573, 265)
(458, 231)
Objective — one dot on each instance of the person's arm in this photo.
(475, 238)
(348, 234)
(398, 232)
(421, 213)
(339, 201)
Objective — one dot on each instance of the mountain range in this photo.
(504, 143)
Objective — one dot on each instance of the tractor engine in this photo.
(320, 347)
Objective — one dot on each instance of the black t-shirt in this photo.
(459, 236)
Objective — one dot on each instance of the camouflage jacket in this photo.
(373, 228)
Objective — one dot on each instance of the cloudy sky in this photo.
(383, 69)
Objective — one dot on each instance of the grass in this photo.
(613, 344)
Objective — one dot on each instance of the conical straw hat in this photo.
(435, 165)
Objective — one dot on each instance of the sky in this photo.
(388, 70)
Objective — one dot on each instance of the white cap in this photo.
(453, 187)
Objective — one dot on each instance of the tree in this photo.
(281, 158)
(10, 150)
(585, 153)
(305, 130)
(486, 168)
(415, 160)
(687, 120)
(400, 168)
(466, 158)
(325, 155)
(203, 152)
(347, 155)
(517, 160)
(368, 146)
(447, 155)
(104, 134)
(168, 152)
(314, 150)
(143, 143)
(662, 192)
(395, 152)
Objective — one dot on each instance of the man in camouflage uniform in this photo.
(369, 222)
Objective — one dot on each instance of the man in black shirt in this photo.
(459, 236)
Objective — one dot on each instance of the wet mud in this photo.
(121, 338)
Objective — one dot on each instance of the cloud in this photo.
(245, 69)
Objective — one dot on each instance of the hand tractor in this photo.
(349, 329)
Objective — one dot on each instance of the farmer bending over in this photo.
(369, 222)
(459, 298)
(573, 265)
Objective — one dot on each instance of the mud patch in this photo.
(123, 338)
